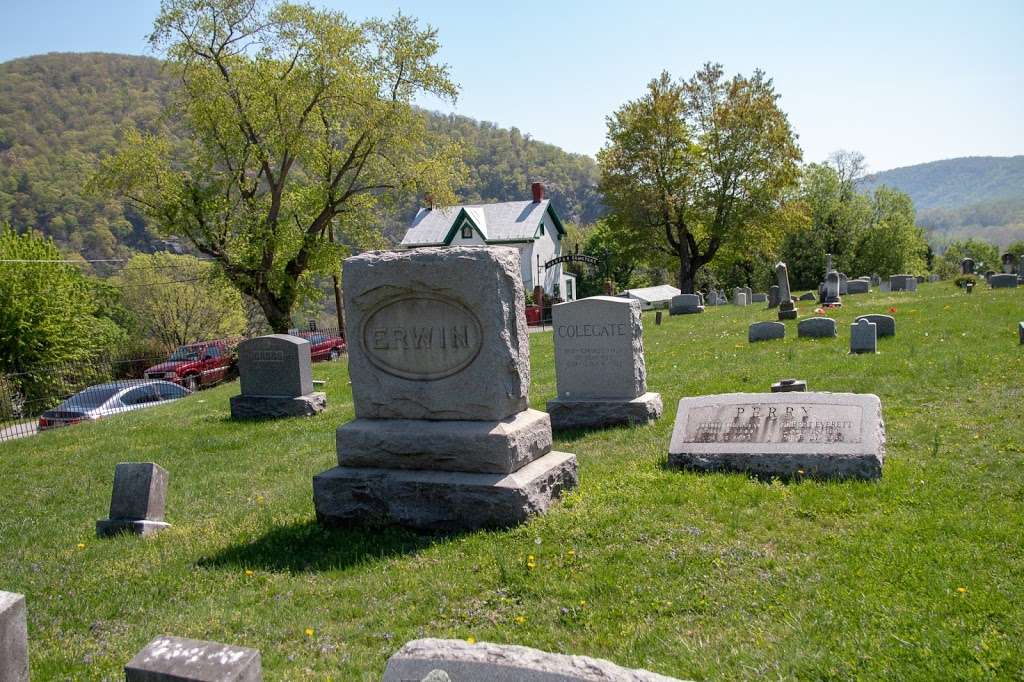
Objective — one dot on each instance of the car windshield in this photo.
(90, 398)
(186, 353)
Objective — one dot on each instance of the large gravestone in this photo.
(599, 365)
(967, 266)
(773, 296)
(817, 328)
(766, 331)
(440, 370)
(858, 286)
(1009, 261)
(759, 297)
(1003, 281)
(863, 337)
(885, 324)
(276, 379)
(903, 282)
(175, 659)
(13, 638)
(785, 435)
(830, 291)
(460, 661)
(685, 304)
(137, 500)
(787, 309)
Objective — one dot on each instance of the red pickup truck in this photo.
(196, 365)
(323, 345)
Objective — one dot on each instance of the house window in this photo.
(467, 231)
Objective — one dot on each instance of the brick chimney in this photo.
(538, 192)
(430, 201)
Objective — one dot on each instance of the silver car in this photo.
(103, 400)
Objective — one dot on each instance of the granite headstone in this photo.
(816, 328)
(175, 659)
(863, 337)
(137, 500)
(13, 638)
(276, 379)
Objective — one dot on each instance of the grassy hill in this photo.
(59, 113)
(916, 576)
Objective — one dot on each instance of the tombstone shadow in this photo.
(306, 546)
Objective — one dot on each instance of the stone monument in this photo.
(13, 638)
(773, 296)
(276, 379)
(439, 362)
(786, 435)
(599, 365)
(843, 284)
(137, 502)
(858, 286)
(817, 328)
(863, 337)
(830, 290)
(1009, 261)
(787, 309)
(884, 324)
(903, 282)
(967, 266)
(766, 331)
(175, 659)
(1003, 281)
(684, 304)
(789, 386)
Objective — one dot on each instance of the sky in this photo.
(903, 82)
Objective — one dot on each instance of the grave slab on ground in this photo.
(439, 362)
(13, 638)
(785, 435)
(460, 661)
(276, 379)
(176, 659)
(137, 500)
(600, 369)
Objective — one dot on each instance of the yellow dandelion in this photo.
(249, 572)
(310, 632)
(81, 545)
(961, 590)
(583, 602)
(471, 640)
(520, 619)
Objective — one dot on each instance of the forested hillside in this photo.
(59, 113)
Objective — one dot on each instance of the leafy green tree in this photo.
(892, 242)
(300, 122)
(694, 165)
(179, 299)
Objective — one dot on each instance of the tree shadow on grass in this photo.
(306, 546)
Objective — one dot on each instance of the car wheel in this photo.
(190, 382)
(335, 354)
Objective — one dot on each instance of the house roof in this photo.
(657, 294)
(509, 221)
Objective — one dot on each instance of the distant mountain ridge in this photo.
(956, 183)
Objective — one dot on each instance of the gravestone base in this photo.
(570, 413)
(441, 500)
(271, 407)
(106, 528)
(685, 310)
(787, 311)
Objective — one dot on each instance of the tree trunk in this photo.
(276, 309)
(338, 307)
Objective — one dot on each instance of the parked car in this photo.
(196, 365)
(323, 346)
(104, 400)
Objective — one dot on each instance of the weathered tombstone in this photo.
(657, 318)
(789, 386)
(817, 328)
(1009, 261)
(831, 295)
(175, 659)
(461, 661)
(439, 362)
(758, 298)
(988, 276)
(766, 331)
(876, 280)
(13, 638)
(863, 337)
(740, 298)
(750, 294)
(967, 266)
(843, 283)
(934, 277)
(137, 501)
(808, 296)
(1003, 281)
(787, 309)
(276, 379)
(1020, 332)
(919, 279)
(599, 365)
(885, 325)
(857, 286)
(773, 296)
(816, 435)
(885, 287)
(686, 304)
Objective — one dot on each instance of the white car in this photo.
(103, 400)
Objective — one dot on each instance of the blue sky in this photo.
(902, 82)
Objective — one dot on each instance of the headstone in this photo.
(766, 331)
(817, 328)
(863, 337)
(657, 318)
(988, 276)
(175, 659)
(969, 287)
(137, 501)
(773, 296)
(13, 638)
(831, 296)
(685, 304)
(1020, 332)
(599, 365)
(1009, 261)
(759, 298)
(750, 294)
(276, 379)
(885, 287)
(843, 283)
(785, 435)
(885, 325)
(787, 309)
(876, 280)
(461, 661)
(740, 298)
(934, 277)
(919, 279)
(439, 361)
(789, 386)
(1003, 281)
(967, 266)
(808, 296)
(858, 286)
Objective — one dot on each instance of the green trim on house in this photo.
(556, 220)
(457, 226)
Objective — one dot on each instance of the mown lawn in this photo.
(918, 576)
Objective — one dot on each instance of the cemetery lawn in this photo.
(698, 576)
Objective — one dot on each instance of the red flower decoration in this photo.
(892, 310)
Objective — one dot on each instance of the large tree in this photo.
(301, 123)
(693, 165)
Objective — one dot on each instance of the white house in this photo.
(531, 226)
(652, 297)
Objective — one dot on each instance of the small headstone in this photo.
(486, 662)
(817, 328)
(843, 283)
(599, 365)
(740, 298)
(885, 325)
(657, 318)
(773, 296)
(137, 501)
(969, 287)
(1020, 332)
(686, 304)
(863, 337)
(919, 279)
(13, 638)
(1009, 261)
(988, 276)
(276, 379)
(766, 331)
(858, 286)
(1003, 281)
(789, 386)
(175, 659)
(759, 298)
(809, 296)
(885, 287)
(967, 266)
(785, 435)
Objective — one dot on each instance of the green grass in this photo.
(696, 576)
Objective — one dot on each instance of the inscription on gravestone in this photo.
(773, 423)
